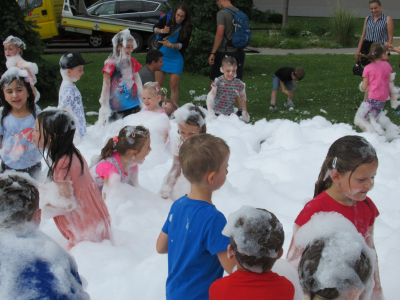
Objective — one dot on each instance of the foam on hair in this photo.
(192, 115)
(15, 41)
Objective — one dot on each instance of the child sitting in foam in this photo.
(32, 265)
(13, 50)
(69, 97)
(256, 240)
(224, 91)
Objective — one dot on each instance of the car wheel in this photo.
(96, 40)
(139, 41)
(152, 42)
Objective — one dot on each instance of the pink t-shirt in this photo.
(106, 169)
(378, 75)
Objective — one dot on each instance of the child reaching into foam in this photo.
(376, 77)
(18, 151)
(32, 265)
(122, 87)
(121, 155)
(13, 51)
(346, 176)
(192, 234)
(80, 214)
(224, 91)
(191, 121)
(69, 97)
(256, 240)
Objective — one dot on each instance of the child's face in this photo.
(220, 176)
(356, 186)
(37, 136)
(11, 50)
(150, 101)
(294, 77)
(16, 95)
(229, 71)
(129, 48)
(75, 73)
(186, 131)
(140, 156)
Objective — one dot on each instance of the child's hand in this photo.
(286, 92)
(245, 116)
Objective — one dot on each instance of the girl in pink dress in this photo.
(121, 156)
(80, 213)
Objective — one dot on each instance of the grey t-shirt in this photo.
(225, 18)
(146, 75)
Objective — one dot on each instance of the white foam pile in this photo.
(273, 165)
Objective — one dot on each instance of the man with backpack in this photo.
(223, 45)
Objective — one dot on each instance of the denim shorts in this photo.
(276, 83)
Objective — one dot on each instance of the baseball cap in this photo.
(72, 60)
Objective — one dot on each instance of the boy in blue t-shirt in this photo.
(192, 234)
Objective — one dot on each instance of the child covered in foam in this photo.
(32, 265)
(13, 51)
(256, 239)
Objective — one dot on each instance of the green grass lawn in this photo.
(329, 85)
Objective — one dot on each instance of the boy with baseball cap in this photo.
(69, 97)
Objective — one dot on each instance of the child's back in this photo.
(194, 238)
(378, 74)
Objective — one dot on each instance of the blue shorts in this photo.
(374, 107)
(276, 83)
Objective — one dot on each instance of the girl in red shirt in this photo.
(346, 176)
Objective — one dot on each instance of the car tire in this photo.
(96, 40)
(152, 42)
(139, 41)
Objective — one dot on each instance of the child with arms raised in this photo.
(192, 234)
(191, 121)
(224, 91)
(80, 214)
(256, 240)
(121, 155)
(346, 176)
(13, 50)
(18, 151)
(69, 97)
(32, 265)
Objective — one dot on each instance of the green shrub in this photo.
(343, 25)
(291, 44)
(260, 16)
(321, 30)
(305, 33)
(313, 42)
(275, 18)
(291, 31)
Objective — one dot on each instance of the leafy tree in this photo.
(204, 20)
(12, 20)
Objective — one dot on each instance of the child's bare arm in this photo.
(162, 243)
(377, 291)
(210, 102)
(227, 263)
(243, 99)
(171, 179)
(284, 90)
(294, 252)
(364, 85)
(105, 109)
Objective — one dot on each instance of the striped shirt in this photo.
(376, 31)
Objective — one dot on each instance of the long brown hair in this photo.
(348, 152)
(129, 138)
(375, 52)
(186, 24)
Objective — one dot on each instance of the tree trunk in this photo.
(285, 12)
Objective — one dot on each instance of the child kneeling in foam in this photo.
(32, 265)
(256, 237)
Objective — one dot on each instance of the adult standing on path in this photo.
(224, 34)
(176, 35)
(377, 28)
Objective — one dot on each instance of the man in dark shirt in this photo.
(154, 62)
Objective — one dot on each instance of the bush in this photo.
(275, 18)
(260, 16)
(14, 23)
(291, 44)
(196, 57)
(321, 30)
(343, 25)
(291, 31)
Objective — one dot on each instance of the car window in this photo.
(34, 3)
(105, 9)
(22, 4)
(150, 6)
(128, 7)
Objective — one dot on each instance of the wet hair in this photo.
(155, 89)
(308, 266)
(186, 24)
(17, 42)
(270, 239)
(195, 117)
(30, 102)
(58, 133)
(129, 138)
(118, 40)
(19, 199)
(201, 154)
(375, 1)
(350, 152)
(153, 55)
(299, 73)
(375, 52)
(228, 60)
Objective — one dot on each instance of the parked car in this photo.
(145, 11)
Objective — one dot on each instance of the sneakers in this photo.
(397, 112)
(289, 104)
(272, 107)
